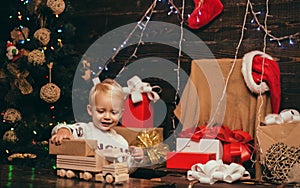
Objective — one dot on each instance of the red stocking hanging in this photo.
(204, 12)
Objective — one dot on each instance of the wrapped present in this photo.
(83, 147)
(151, 139)
(281, 163)
(155, 149)
(238, 145)
(138, 115)
(185, 160)
(138, 109)
(287, 133)
(134, 135)
(279, 150)
(203, 146)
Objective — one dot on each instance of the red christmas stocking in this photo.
(204, 12)
(271, 76)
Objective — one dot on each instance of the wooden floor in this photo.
(20, 176)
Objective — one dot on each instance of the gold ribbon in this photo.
(155, 149)
(149, 138)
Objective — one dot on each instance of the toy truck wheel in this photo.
(109, 178)
(87, 176)
(61, 173)
(70, 174)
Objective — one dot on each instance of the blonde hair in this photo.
(106, 86)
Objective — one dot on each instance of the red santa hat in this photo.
(9, 44)
(261, 73)
(12, 51)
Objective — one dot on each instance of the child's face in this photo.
(106, 111)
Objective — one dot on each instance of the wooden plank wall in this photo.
(95, 18)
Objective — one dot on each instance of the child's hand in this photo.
(61, 134)
(137, 153)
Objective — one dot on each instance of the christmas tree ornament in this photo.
(45, 143)
(25, 52)
(57, 6)
(3, 75)
(12, 53)
(50, 92)
(21, 83)
(12, 115)
(21, 156)
(19, 34)
(10, 136)
(261, 73)
(20, 78)
(42, 35)
(34, 6)
(204, 12)
(36, 57)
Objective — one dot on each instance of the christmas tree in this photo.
(36, 74)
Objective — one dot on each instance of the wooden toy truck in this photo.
(107, 165)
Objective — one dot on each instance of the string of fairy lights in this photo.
(267, 33)
(210, 123)
(263, 27)
(175, 10)
(180, 12)
(142, 25)
(179, 61)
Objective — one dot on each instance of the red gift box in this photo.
(238, 145)
(185, 160)
(138, 115)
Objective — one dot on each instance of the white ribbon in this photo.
(136, 88)
(285, 116)
(215, 170)
(273, 119)
(290, 115)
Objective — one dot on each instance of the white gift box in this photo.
(203, 146)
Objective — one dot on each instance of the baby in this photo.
(106, 100)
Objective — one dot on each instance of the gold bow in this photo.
(155, 149)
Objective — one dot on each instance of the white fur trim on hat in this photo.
(247, 72)
(9, 44)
